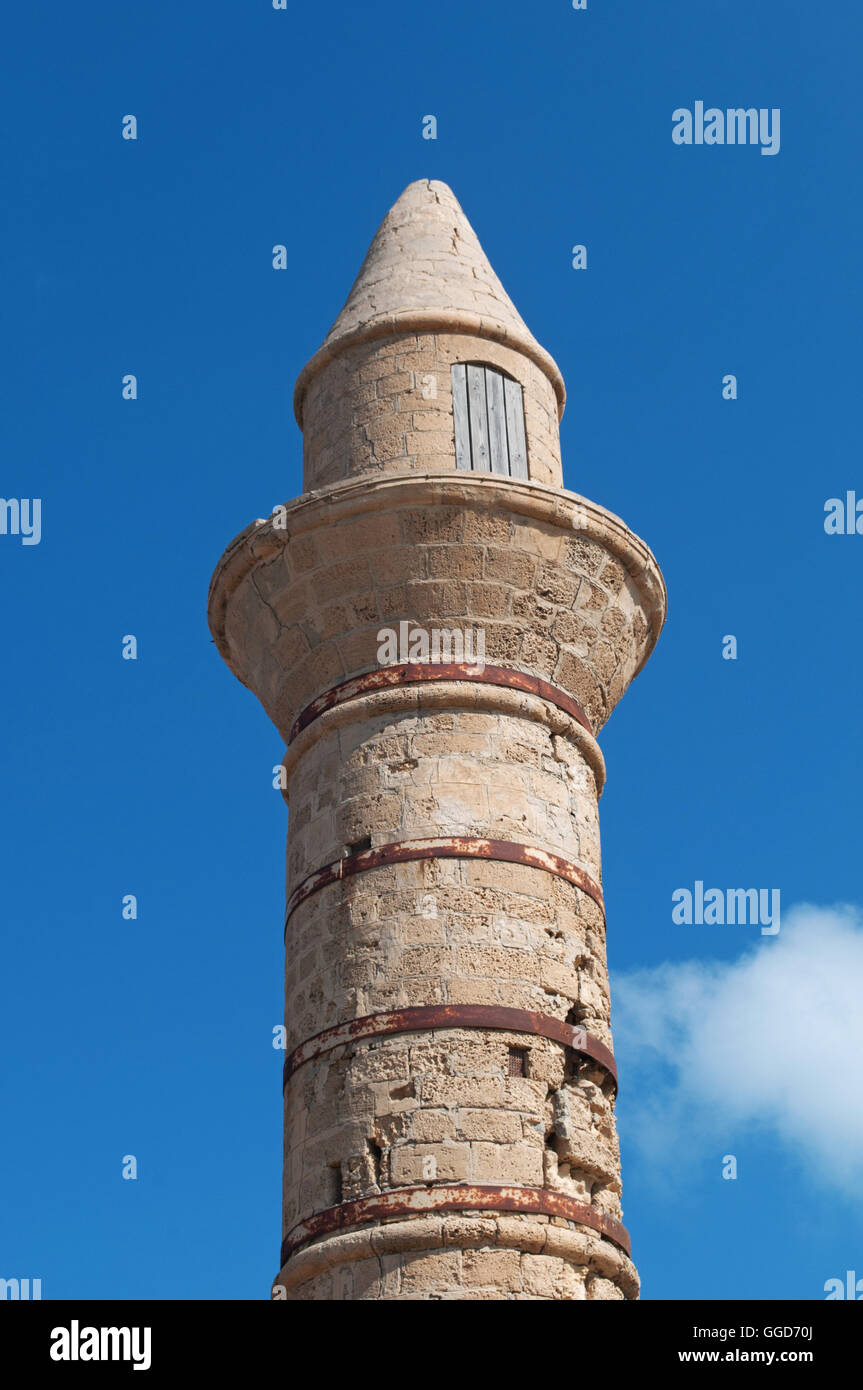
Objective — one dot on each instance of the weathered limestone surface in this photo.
(447, 1098)
(426, 256)
(386, 406)
(389, 531)
(559, 586)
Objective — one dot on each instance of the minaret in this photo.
(439, 630)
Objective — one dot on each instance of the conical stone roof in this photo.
(426, 271)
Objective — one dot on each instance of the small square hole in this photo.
(517, 1061)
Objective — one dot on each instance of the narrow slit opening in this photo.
(335, 1181)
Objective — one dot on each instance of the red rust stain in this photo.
(432, 1016)
(444, 847)
(412, 1201)
(387, 677)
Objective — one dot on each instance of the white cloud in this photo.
(711, 1050)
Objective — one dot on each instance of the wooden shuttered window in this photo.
(488, 412)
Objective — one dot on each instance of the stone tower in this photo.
(439, 630)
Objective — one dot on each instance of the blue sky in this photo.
(153, 777)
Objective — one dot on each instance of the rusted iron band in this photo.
(414, 673)
(437, 1016)
(448, 847)
(417, 1201)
